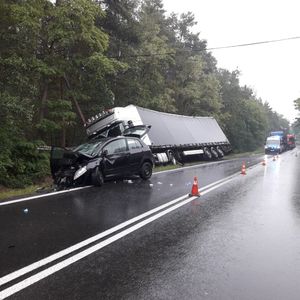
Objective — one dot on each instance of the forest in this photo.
(58, 56)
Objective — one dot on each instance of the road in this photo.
(148, 240)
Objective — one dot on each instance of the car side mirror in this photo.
(104, 153)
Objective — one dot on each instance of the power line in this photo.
(212, 48)
(254, 43)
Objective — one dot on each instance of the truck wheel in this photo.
(220, 152)
(207, 153)
(146, 171)
(97, 177)
(214, 152)
(172, 158)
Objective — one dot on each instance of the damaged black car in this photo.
(101, 159)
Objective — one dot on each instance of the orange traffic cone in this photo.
(263, 162)
(195, 190)
(243, 171)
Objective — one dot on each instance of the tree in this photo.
(192, 77)
(71, 51)
(244, 118)
(51, 61)
(296, 124)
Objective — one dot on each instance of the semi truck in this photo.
(171, 137)
(279, 141)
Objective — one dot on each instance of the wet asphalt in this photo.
(240, 241)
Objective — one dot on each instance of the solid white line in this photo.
(86, 242)
(55, 268)
(9, 277)
(197, 166)
(43, 195)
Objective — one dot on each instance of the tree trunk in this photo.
(79, 111)
(63, 136)
(43, 102)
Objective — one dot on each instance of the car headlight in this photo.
(80, 172)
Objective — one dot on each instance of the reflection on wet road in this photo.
(59, 221)
(240, 241)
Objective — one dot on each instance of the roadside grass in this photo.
(165, 168)
(6, 193)
(243, 154)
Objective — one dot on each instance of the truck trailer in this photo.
(171, 137)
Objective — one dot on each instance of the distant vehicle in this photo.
(291, 141)
(274, 145)
(172, 137)
(101, 159)
(279, 141)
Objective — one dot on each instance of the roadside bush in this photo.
(23, 164)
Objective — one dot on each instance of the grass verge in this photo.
(6, 193)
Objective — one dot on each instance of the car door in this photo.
(61, 158)
(136, 154)
(116, 159)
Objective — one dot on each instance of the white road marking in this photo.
(43, 195)
(196, 166)
(55, 268)
(9, 277)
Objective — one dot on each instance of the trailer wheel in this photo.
(214, 153)
(97, 177)
(220, 151)
(179, 157)
(146, 171)
(207, 153)
(172, 158)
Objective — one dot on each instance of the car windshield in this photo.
(90, 148)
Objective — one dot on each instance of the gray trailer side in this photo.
(184, 137)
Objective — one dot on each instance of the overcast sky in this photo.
(271, 70)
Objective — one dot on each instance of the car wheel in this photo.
(97, 177)
(146, 170)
